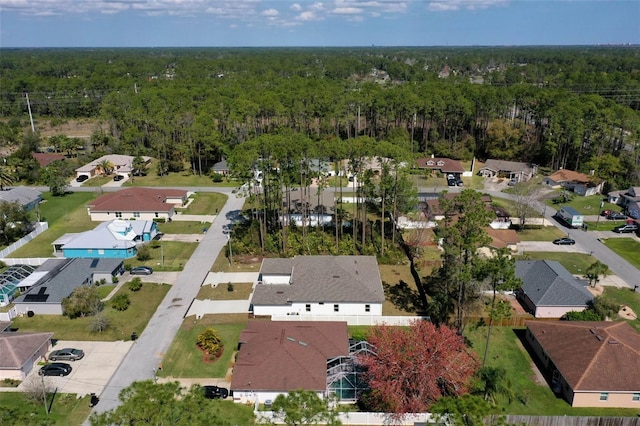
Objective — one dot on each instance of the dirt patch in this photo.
(71, 128)
(207, 358)
(627, 313)
(597, 290)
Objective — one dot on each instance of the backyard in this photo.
(166, 256)
(225, 291)
(66, 409)
(627, 248)
(575, 263)
(586, 205)
(205, 203)
(185, 179)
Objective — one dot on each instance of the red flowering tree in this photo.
(415, 366)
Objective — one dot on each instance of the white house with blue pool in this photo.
(115, 239)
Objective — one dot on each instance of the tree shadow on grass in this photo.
(403, 297)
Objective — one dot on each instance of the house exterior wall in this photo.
(118, 253)
(316, 308)
(614, 399)
(244, 396)
(105, 216)
(275, 279)
(107, 277)
(178, 201)
(556, 311)
(39, 308)
(552, 183)
(22, 373)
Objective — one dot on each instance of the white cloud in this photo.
(307, 16)
(453, 5)
(296, 7)
(270, 12)
(347, 11)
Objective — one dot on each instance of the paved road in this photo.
(145, 356)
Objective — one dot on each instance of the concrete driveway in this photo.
(92, 373)
(525, 246)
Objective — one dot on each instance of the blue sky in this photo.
(155, 23)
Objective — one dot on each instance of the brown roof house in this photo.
(338, 287)
(137, 203)
(443, 165)
(577, 182)
(21, 352)
(46, 158)
(549, 290)
(522, 172)
(589, 363)
(276, 357)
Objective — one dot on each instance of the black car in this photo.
(118, 178)
(141, 270)
(68, 354)
(451, 182)
(55, 369)
(82, 178)
(616, 216)
(564, 241)
(215, 392)
(626, 229)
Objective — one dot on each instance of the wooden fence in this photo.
(572, 421)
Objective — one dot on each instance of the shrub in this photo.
(155, 244)
(120, 302)
(217, 177)
(135, 284)
(209, 341)
(230, 287)
(99, 324)
(82, 302)
(115, 280)
(159, 220)
(144, 253)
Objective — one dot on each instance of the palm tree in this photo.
(5, 177)
(106, 167)
(594, 271)
(495, 383)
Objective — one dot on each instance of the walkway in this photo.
(145, 356)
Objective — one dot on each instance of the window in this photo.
(119, 215)
(157, 215)
(604, 396)
(367, 308)
(100, 251)
(336, 308)
(636, 397)
(136, 214)
(307, 307)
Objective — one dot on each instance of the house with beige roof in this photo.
(137, 203)
(21, 353)
(577, 182)
(122, 165)
(320, 286)
(589, 363)
(521, 172)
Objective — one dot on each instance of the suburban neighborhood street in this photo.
(146, 354)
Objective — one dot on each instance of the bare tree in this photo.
(36, 390)
(525, 195)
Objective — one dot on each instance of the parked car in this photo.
(460, 182)
(606, 212)
(68, 354)
(564, 241)
(625, 229)
(616, 216)
(215, 392)
(82, 178)
(141, 270)
(55, 369)
(512, 182)
(451, 182)
(118, 178)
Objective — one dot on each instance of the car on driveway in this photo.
(82, 178)
(141, 270)
(512, 182)
(616, 216)
(215, 392)
(626, 229)
(55, 369)
(67, 354)
(451, 182)
(564, 241)
(118, 178)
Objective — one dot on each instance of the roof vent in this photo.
(291, 339)
(599, 337)
(302, 343)
(279, 292)
(592, 330)
(613, 342)
(336, 276)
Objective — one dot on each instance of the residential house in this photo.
(315, 207)
(28, 198)
(114, 239)
(445, 166)
(21, 353)
(221, 168)
(122, 165)
(323, 286)
(56, 280)
(503, 238)
(549, 290)
(46, 158)
(11, 282)
(629, 200)
(137, 203)
(577, 182)
(276, 357)
(589, 363)
(521, 172)
(434, 212)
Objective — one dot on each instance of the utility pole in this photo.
(33, 128)
(230, 253)
(44, 396)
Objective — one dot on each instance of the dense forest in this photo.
(560, 107)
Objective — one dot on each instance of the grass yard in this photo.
(604, 224)
(179, 227)
(240, 264)
(184, 359)
(143, 305)
(338, 181)
(627, 248)
(205, 203)
(547, 233)
(576, 263)
(176, 254)
(97, 181)
(506, 350)
(401, 293)
(240, 291)
(104, 290)
(585, 205)
(65, 214)
(66, 410)
(625, 296)
(510, 206)
(184, 178)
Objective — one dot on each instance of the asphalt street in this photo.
(146, 354)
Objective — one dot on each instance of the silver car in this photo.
(68, 354)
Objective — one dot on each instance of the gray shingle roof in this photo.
(18, 348)
(548, 283)
(503, 165)
(20, 194)
(322, 279)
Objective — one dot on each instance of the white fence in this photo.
(362, 419)
(9, 315)
(352, 319)
(33, 261)
(39, 229)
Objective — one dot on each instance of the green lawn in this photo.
(176, 254)
(625, 296)
(180, 227)
(585, 205)
(184, 359)
(604, 224)
(104, 290)
(143, 305)
(66, 410)
(510, 206)
(627, 248)
(184, 178)
(98, 181)
(221, 263)
(65, 214)
(547, 233)
(206, 203)
(507, 351)
(240, 291)
(576, 263)
(401, 293)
